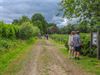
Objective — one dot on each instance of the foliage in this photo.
(36, 31)
(52, 28)
(8, 31)
(15, 22)
(67, 29)
(27, 31)
(39, 21)
(24, 19)
(82, 27)
(59, 37)
(87, 10)
(21, 20)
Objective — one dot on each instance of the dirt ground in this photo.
(46, 60)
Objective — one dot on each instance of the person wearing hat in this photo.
(77, 45)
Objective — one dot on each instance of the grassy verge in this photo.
(13, 54)
(91, 65)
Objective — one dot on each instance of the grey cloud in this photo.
(11, 9)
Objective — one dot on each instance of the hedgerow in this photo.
(10, 34)
(27, 30)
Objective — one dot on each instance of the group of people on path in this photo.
(74, 44)
(46, 36)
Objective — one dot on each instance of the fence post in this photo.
(91, 40)
(98, 43)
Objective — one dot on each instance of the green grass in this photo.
(13, 53)
(91, 65)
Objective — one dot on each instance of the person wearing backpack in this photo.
(77, 45)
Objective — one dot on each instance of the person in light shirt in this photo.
(71, 44)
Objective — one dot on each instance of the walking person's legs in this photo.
(71, 52)
(77, 52)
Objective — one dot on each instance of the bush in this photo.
(86, 46)
(27, 31)
(36, 30)
(8, 31)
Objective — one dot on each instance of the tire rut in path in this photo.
(34, 67)
(31, 67)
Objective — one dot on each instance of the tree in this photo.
(27, 30)
(87, 10)
(21, 20)
(67, 29)
(39, 21)
(39, 25)
(24, 19)
(15, 22)
(52, 28)
(83, 27)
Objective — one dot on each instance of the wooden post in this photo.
(91, 40)
(98, 44)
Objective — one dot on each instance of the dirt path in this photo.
(46, 60)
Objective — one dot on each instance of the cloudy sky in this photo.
(12, 9)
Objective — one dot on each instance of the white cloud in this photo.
(64, 21)
(60, 21)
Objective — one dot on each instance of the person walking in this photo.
(47, 36)
(77, 45)
(71, 44)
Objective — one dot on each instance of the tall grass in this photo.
(7, 56)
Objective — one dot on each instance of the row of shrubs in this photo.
(85, 38)
(12, 35)
(25, 31)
